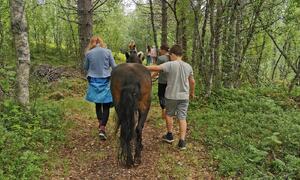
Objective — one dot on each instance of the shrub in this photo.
(25, 136)
(249, 134)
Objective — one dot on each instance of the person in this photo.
(180, 87)
(148, 50)
(153, 54)
(162, 78)
(132, 46)
(98, 64)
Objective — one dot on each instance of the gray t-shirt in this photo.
(177, 79)
(162, 78)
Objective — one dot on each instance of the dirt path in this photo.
(84, 156)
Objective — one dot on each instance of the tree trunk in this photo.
(228, 53)
(217, 39)
(153, 25)
(85, 29)
(73, 40)
(237, 46)
(258, 63)
(196, 33)
(211, 49)
(297, 76)
(183, 37)
(19, 31)
(202, 55)
(174, 10)
(239, 58)
(164, 22)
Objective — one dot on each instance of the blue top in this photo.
(98, 62)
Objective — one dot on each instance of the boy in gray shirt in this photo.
(180, 86)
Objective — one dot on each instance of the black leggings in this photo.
(102, 111)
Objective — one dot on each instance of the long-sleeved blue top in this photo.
(98, 62)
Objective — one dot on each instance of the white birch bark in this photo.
(19, 31)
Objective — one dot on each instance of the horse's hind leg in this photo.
(139, 132)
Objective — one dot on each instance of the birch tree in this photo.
(20, 35)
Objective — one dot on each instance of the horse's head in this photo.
(133, 57)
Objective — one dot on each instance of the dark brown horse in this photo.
(131, 90)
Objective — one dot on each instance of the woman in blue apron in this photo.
(98, 64)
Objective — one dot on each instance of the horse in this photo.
(131, 88)
(134, 57)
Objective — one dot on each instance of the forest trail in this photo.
(84, 156)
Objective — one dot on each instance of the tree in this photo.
(85, 26)
(19, 31)
(152, 22)
(164, 22)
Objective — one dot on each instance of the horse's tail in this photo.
(127, 108)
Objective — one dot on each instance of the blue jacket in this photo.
(98, 62)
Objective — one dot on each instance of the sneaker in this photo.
(182, 144)
(168, 137)
(102, 135)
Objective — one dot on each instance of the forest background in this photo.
(246, 60)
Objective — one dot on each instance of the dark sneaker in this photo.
(102, 135)
(182, 144)
(168, 138)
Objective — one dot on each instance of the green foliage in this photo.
(26, 137)
(119, 57)
(7, 79)
(250, 133)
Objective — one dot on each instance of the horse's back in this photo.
(132, 74)
(131, 71)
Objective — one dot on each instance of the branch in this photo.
(170, 6)
(68, 20)
(279, 49)
(97, 5)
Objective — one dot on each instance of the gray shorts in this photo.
(177, 108)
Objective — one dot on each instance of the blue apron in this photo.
(99, 90)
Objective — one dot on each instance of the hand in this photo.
(154, 75)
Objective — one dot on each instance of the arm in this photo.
(192, 86)
(154, 68)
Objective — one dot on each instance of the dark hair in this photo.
(148, 48)
(164, 47)
(176, 49)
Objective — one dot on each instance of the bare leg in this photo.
(182, 128)
(169, 123)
